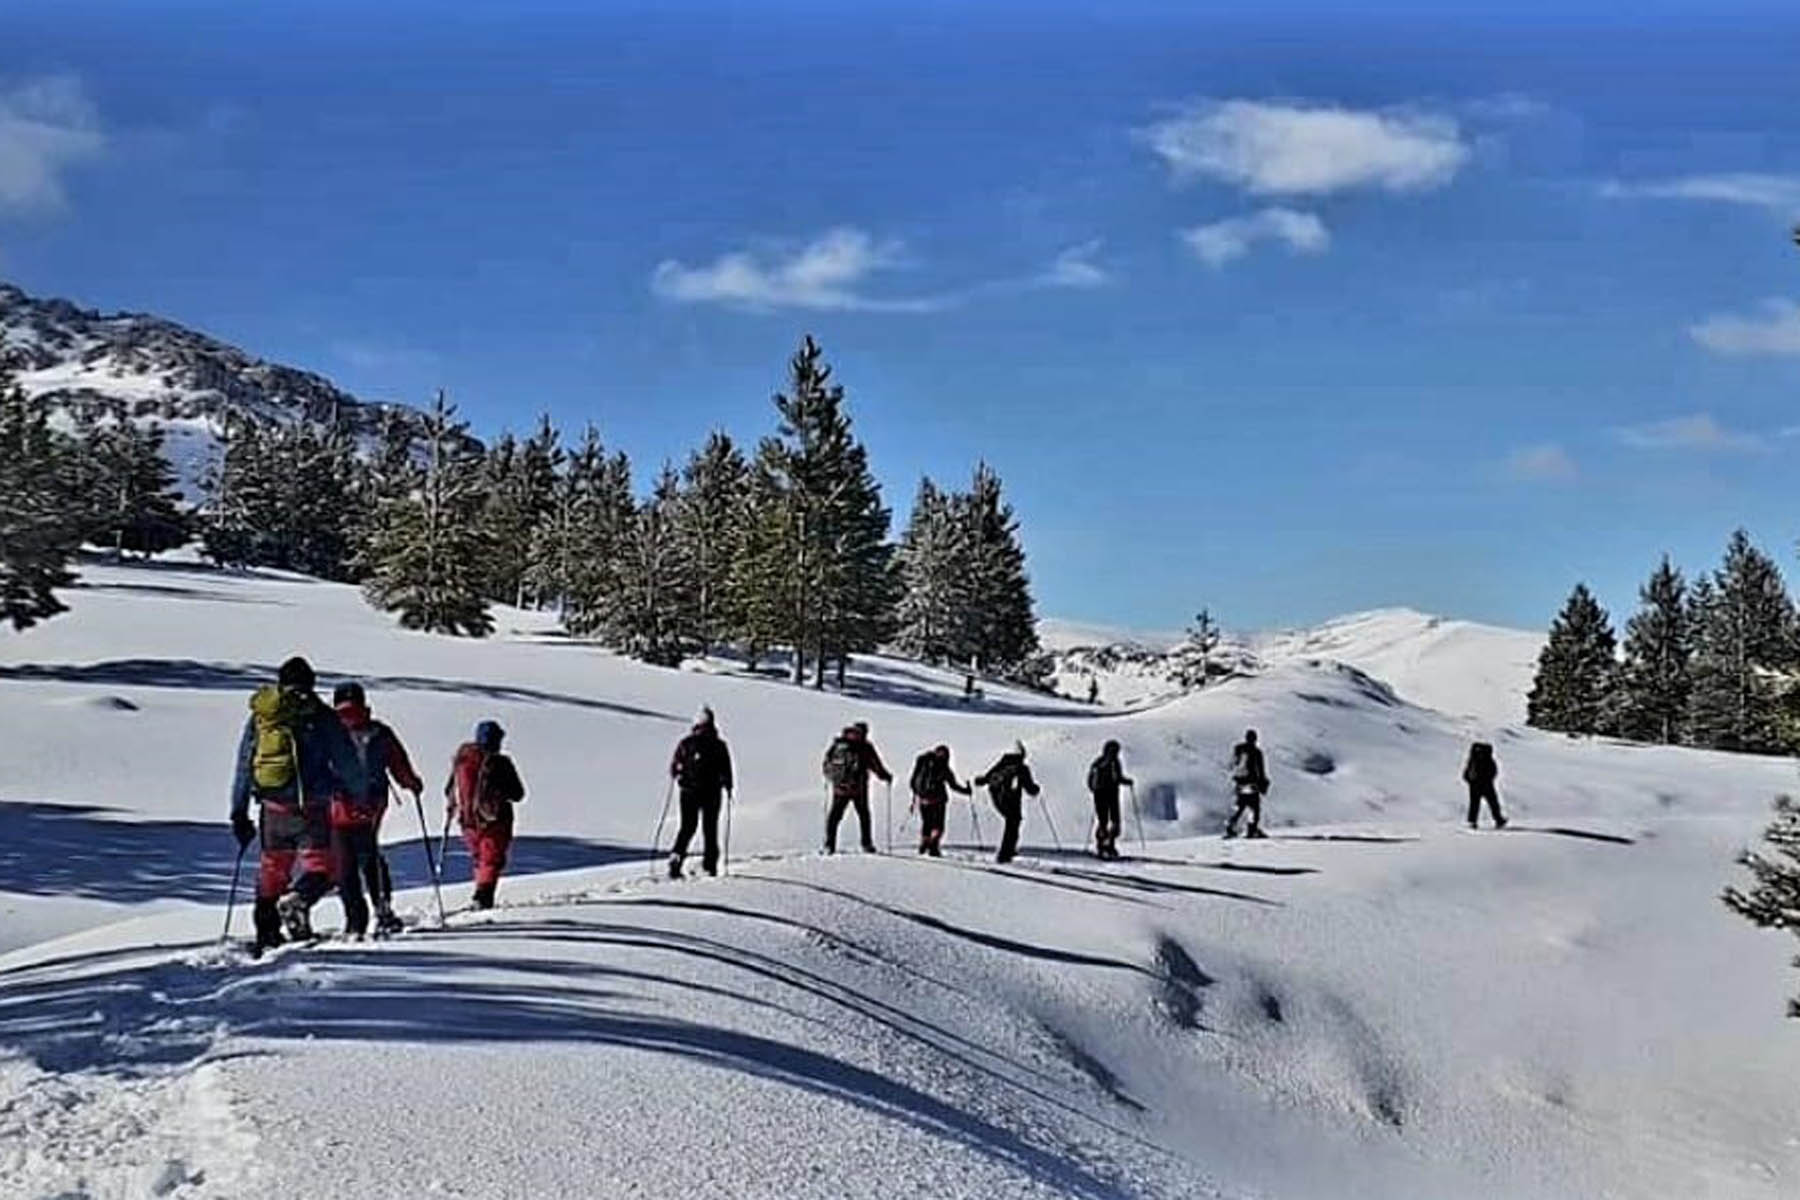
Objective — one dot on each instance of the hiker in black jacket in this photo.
(1250, 783)
(1008, 782)
(849, 761)
(1105, 777)
(932, 782)
(1479, 773)
(701, 769)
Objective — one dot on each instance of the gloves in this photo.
(244, 829)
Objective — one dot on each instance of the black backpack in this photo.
(922, 774)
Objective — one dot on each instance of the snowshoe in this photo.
(674, 868)
(387, 924)
(296, 917)
(1500, 823)
(1229, 834)
(1256, 833)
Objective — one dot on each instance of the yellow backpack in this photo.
(275, 763)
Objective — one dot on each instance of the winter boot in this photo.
(1255, 831)
(268, 926)
(296, 917)
(484, 896)
(1499, 822)
(386, 923)
(674, 867)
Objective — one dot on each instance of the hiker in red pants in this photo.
(482, 789)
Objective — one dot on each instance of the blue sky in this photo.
(1286, 311)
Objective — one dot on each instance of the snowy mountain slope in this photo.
(1457, 667)
(167, 374)
(1372, 1002)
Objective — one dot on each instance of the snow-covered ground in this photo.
(1373, 1002)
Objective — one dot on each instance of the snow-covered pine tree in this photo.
(709, 518)
(291, 497)
(762, 577)
(1000, 621)
(935, 567)
(128, 485)
(1194, 656)
(1658, 648)
(839, 598)
(601, 521)
(228, 520)
(507, 518)
(540, 464)
(1773, 899)
(1744, 648)
(1576, 687)
(40, 529)
(428, 558)
(647, 609)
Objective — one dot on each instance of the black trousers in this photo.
(1011, 816)
(838, 804)
(700, 810)
(931, 825)
(1107, 822)
(1247, 802)
(1484, 791)
(356, 857)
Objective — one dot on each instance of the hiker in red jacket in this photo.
(482, 789)
(356, 819)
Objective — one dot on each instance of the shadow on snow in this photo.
(81, 850)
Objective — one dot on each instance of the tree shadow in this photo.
(1145, 883)
(1185, 863)
(1374, 839)
(116, 1022)
(1588, 835)
(200, 676)
(85, 850)
(169, 591)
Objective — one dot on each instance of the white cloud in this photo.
(1779, 193)
(1076, 268)
(1545, 463)
(1232, 238)
(824, 274)
(47, 125)
(1286, 148)
(1696, 432)
(830, 273)
(1776, 330)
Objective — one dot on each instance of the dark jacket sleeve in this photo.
(1026, 781)
(950, 778)
(400, 766)
(240, 776)
(725, 779)
(875, 763)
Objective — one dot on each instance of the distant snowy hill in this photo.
(167, 374)
(1460, 668)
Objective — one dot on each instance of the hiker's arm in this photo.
(955, 786)
(725, 767)
(879, 767)
(509, 783)
(400, 766)
(1026, 781)
(240, 776)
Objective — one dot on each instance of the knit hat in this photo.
(296, 674)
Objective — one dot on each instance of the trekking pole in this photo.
(730, 803)
(444, 843)
(437, 888)
(1138, 816)
(237, 868)
(1044, 807)
(656, 841)
(975, 821)
(890, 816)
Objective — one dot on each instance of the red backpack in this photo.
(476, 804)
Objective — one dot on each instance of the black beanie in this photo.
(297, 675)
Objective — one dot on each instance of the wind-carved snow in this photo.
(1372, 1001)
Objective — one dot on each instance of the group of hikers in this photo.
(321, 775)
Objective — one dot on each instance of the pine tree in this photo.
(1576, 687)
(644, 615)
(428, 558)
(1658, 648)
(1000, 629)
(1194, 655)
(599, 521)
(40, 529)
(540, 465)
(1744, 644)
(837, 595)
(709, 517)
(507, 518)
(236, 504)
(1773, 900)
(935, 567)
(290, 497)
(762, 579)
(128, 485)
